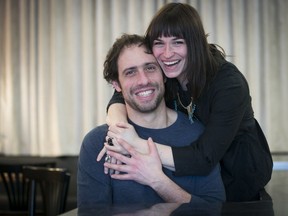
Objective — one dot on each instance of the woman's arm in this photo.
(127, 132)
(116, 113)
(116, 109)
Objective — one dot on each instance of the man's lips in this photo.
(145, 93)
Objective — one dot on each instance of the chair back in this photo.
(15, 186)
(54, 185)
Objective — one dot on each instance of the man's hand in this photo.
(142, 168)
(146, 169)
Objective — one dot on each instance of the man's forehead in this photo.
(135, 55)
(136, 49)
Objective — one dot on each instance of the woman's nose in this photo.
(168, 51)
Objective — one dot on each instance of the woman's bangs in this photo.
(166, 29)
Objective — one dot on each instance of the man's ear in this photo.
(116, 86)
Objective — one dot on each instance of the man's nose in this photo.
(142, 78)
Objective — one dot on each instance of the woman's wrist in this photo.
(141, 146)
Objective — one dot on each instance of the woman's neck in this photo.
(183, 83)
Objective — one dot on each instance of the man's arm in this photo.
(93, 186)
(170, 191)
(153, 175)
(146, 169)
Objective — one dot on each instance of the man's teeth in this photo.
(171, 63)
(145, 93)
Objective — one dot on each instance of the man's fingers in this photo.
(119, 163)
(119, 157)
(106, 170)
(116, 167)
(152, 146)
(121, 176)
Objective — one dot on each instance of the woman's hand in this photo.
(111, 145)
(127, 133)
(109, 159)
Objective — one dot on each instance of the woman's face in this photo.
(171, 54)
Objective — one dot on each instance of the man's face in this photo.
(140, 79)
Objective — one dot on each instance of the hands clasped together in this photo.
(130, 157)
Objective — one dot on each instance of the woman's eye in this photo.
(157, 43)
(179, 42)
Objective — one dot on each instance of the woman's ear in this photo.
(116, 86)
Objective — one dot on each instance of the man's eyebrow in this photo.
(129, 68)
(145, 64)
(153, 62)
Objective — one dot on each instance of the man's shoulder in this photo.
(97, 133)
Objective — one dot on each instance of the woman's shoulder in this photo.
(229, 69)
(229, 74)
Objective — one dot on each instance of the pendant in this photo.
(190, 108)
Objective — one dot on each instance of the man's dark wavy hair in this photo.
(110, 72)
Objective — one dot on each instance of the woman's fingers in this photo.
(101, 154)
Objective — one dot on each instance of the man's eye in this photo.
(129, 72)
(151, 68)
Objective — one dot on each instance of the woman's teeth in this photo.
(171, 63)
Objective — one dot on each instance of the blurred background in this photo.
(52, 90)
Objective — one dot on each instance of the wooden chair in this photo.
(54, 185)
(11, 176)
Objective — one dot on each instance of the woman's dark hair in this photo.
(203, 59)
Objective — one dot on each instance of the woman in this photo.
(204, 85)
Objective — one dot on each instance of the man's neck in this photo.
(162, 117)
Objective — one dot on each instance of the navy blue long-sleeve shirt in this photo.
(95, 187)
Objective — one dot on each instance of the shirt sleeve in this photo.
(93, 186)
(210, 188)
(223, 106)
(117, 97)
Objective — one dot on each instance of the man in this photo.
(134, 71)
